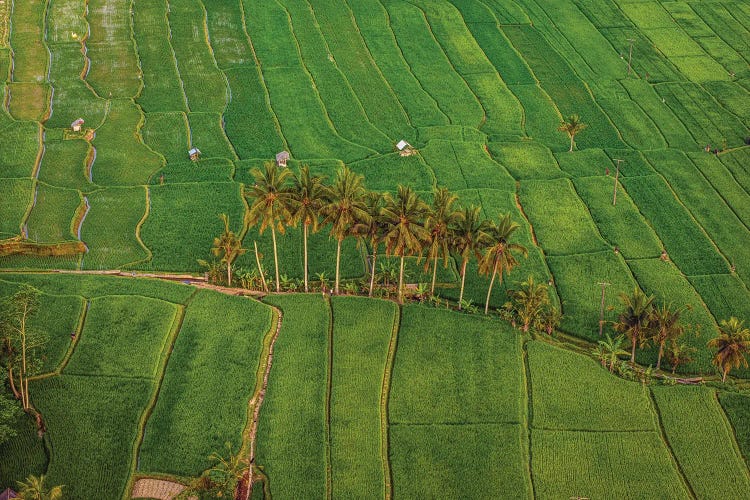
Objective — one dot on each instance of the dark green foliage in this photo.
(23, 454)
(737, 408)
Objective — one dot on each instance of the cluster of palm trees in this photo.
(644, 322)
(401, 223)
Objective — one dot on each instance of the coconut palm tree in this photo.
(665, 326)
(270, 200)
(405, 234)
(439, 222)
(498, 255)
(732, 345)
(34, 489)
(371, 230)
(634, 320)
(309, 194)
(468, 237)
(571, 126)
(345, 207)
(228, 246)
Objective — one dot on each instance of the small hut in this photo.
(194, 154)
(404, 148)
(76, 125)
(8, 494)
(282, 158)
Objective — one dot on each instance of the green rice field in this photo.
(367, 398)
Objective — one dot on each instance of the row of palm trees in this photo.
(401, 222)
(643, 321)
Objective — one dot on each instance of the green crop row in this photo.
(206, 380)
(462, 165)
(455, 369)
(64, 164)
(19, 146)
(162, 89)
(526, 160)
(361, 334)
(737, 408)
(50, 219)
(15, 199)
(229, 42)
(702, 441)
(292, 438)
(114, 325)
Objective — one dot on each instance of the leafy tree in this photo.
(550, 319)
(405, 233)
(371, 230)
(439, 222)
(633, 321)
(35, 489)
(228, 246)
(679, 353)
(572, 126)
(19, 310)
(732, 345)
(666, 326)
(498, 255)
(9, 412)
(612, 350)
(308, 197)
(270, 201)
(468, 237)
(345, 207)
(8, 344)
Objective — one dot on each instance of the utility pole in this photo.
(617, 176)
(630, 53)
(604, 285)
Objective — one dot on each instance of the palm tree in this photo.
(309, 194)
(371, 230)
(498, 255)
(732, 345)
(665, 326)
(228, 246)
(634, 320)
(572, 126)
(439, 222)
(270, 202)
(612, 349)
(344, 208)
(34, 489)
(528, 302)
(403, 216)
(550, 319)
(468, 237)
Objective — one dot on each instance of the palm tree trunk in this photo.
(724, 376)
(260, 268)
(24, 395)
(661, 353)
(229, 273)
(338, 262)
(434, 274)
(463, 280)
(401, 282)
(489, 292)
(275, 259)
(372, 270)
(305, 244)
(632, 351)
(572, 142)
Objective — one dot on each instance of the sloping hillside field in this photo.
(366, 398)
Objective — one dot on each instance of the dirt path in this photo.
(257, 401)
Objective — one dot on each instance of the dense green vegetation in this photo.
(367, 398)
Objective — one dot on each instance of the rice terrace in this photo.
(387, 249)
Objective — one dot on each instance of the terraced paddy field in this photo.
(365, 398)
(478, 87)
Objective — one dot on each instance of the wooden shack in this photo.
(76, 125)
(404, 148)
(194, 154)
(282, 158)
